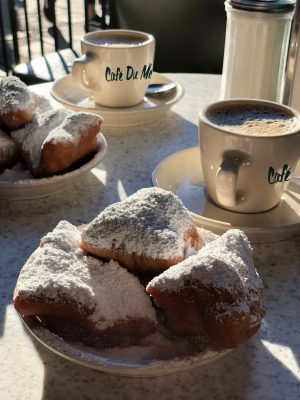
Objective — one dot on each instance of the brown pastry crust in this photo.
(17, 106)
(61, 284)
(17, 119)
(56, 140)
(8, 151)
(142, 263)
(195, 312)
(216, 293)
(59, 156)
(132, 262)
(67, 310)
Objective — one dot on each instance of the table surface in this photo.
(266, 367)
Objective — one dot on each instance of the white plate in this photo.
(34, 188)
(181, 173)
(150, 109)
(156, 356)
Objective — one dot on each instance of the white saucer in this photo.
(21, 189)
(150, 109)
(181, 173)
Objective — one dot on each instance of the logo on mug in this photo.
(130, 74)
(283, 176)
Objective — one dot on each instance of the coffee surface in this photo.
(117, 41)
(258, 121)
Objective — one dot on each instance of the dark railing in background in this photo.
(189, 34)
(12, 52)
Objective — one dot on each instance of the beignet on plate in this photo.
(60, 281)
(147, 232)
(57, 139)
(216, 293)
(17, 106)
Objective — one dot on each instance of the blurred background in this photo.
(39, 39)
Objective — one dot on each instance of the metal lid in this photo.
(271, 6)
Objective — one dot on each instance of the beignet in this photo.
(17, 106)
(60, 281)
(57, 139)
(216, 293)
(8, 151)
(147, 232)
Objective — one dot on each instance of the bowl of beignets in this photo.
(42, 150)
(140, 290)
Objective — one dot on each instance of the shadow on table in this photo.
(71, 202)
(245, 373)
(129, 169)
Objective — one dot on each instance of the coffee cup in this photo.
(249, 151)
(116, 66)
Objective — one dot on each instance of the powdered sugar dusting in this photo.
(151, 222)
(16, 173)
(54, 126)
(42, 104)
(226, 263)
(14, 95)
(59, 269)
(73, 127)
(30, 139)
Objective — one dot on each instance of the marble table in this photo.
(266, 367)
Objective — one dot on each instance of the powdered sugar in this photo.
(30, 139)
(73, 127)
(226, 263)
(42, 104)
(151, 222)
(54, 126)
(14, 95)
(16, 173)
(60, 270)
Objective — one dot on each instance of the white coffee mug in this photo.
(116, 66)
(247, 172)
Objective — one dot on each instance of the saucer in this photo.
(181, 173)
(150, 109)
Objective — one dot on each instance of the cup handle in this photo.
(227, 177)
(79, 71)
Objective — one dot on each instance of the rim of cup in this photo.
(146, 38)
(259, 102)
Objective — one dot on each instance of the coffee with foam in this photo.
(117, 41)
(253, 120)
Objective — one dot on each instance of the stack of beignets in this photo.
(214, 293)
(49, 142)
